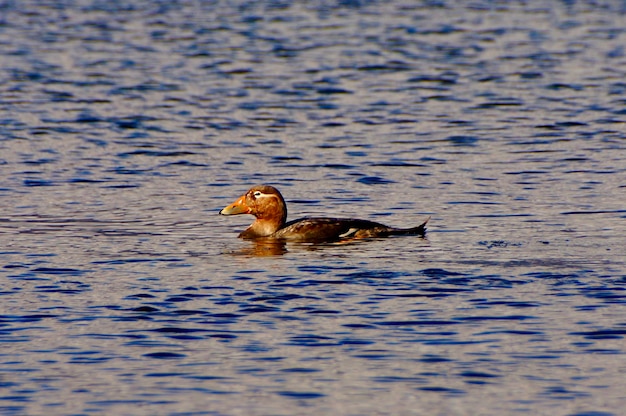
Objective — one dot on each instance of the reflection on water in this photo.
(125, 128)
(264, 247)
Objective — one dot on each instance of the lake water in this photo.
(125, 128)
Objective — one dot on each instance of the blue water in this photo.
(125, 128)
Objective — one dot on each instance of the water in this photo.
(125, 128)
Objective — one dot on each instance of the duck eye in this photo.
(257, 194)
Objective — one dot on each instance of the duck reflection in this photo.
(266, 247)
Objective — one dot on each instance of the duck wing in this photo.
(334, 229)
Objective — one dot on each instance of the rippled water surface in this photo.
(124, 128)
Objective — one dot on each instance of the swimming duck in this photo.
(270, 210)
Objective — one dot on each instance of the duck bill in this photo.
(237, 207)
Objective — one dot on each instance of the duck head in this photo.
(266, 204)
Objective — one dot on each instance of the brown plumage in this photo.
(270, 210)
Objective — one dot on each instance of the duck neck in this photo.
(263, 227)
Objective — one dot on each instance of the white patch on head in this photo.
(259, 194)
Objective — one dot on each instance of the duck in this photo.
(268, 206)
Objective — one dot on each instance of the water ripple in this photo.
(125, 128)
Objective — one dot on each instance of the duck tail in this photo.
(419, 230)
